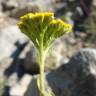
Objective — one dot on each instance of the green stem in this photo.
(42, 89)
(42, 59)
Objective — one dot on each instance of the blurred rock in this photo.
(76, 78)
(18, 12)
(29, 55)
(4, 64)
(94, 3)
(11, 4)
(8, 39)
(85, 58)
(12, 80)
(0, 7)
(17, 8)
(5, 21)
(55, 55)
(28, 84)
(20, 88)
(12, 42)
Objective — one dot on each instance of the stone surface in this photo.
(17, 8)
(94, 3)
(8, 39)
(5, 21)
(77, 78)
(85, 58)
(29, 55)
(18, 12)
(12, 42)
(20, 88)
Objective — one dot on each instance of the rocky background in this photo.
(70, 68)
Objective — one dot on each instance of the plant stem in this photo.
(42, 77)
(42, 59)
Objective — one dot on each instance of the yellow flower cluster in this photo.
(43, 27)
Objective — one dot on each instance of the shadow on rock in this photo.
(76, 78)
(15, 67)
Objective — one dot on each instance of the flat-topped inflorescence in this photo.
(38, 26)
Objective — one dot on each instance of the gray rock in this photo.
(85, 58)
(28, 84)
(8, 39)
(94, 3)
(12, 80)
(82, 69)
(77, 78)
(29, 56)
(4, 64)
(17, 8)
(20, 88)
(14, 3)
(18, 12)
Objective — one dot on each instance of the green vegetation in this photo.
(43, 29)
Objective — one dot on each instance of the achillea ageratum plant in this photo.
(42, 29)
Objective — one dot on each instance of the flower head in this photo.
(43, 28)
